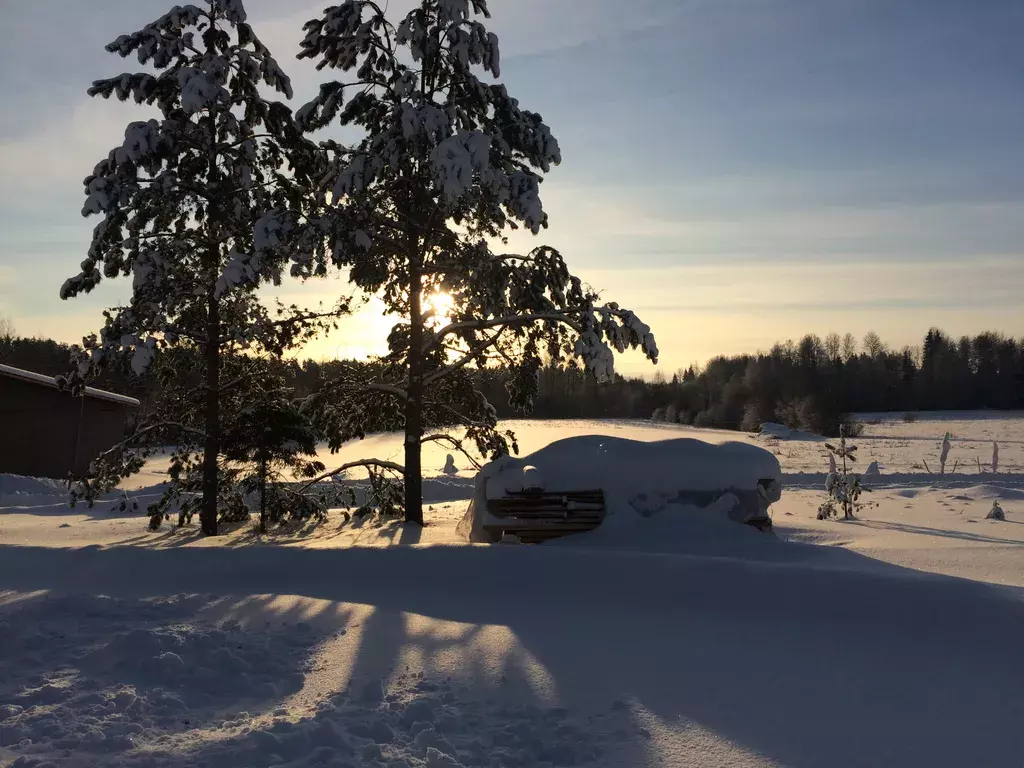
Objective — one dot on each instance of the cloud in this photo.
(814, 287)
(524, 27)
(640, 225)
(53, 161)
(700, 311)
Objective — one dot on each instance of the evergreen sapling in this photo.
(842, 484)
(271, 446)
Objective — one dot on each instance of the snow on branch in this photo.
(362, 463)
(601, 332)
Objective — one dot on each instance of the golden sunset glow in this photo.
(440, 305)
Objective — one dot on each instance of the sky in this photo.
(738, 172)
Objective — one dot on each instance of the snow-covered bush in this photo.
(996, 513)
(798, 413)
(710, 417)
(817, 416)
(753, 417)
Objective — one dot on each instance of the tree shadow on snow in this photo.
(897, 480)
(42, 497)
(93, 674)
(927, 531)
(807, 658)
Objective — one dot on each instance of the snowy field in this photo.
(890, 640)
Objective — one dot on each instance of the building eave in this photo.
(49, 381)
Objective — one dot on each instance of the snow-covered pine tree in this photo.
(445, 165)
(6, 337)
(196, 205)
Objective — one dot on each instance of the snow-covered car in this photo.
(641, 478)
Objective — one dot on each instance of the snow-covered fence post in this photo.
(944, 454)
(995, 457)
(996, 512)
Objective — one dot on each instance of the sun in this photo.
(440, 304)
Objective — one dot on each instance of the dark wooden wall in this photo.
(42, 429)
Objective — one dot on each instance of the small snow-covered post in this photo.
(995, 457)
(446, 166)
(944, 454)
(449, 466)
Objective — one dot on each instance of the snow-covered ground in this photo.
(679, 641)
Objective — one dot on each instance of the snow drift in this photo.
(638, 478)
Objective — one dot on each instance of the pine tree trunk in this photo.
(211, 448)
(413, 471)
(263, 495)
(414, 405)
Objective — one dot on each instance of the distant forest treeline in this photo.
(808, 385)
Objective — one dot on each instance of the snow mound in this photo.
(773, 431)
(639, 479)
(683, 529)
(21, 491)
(12, 485)
(994, 492)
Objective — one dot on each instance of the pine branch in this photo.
(388, 388)
(380, 463)
(372, 386)
(467, 358)
(509, 321)
(164, 424)
(139, 433)
(238, 380)
(462, 418)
